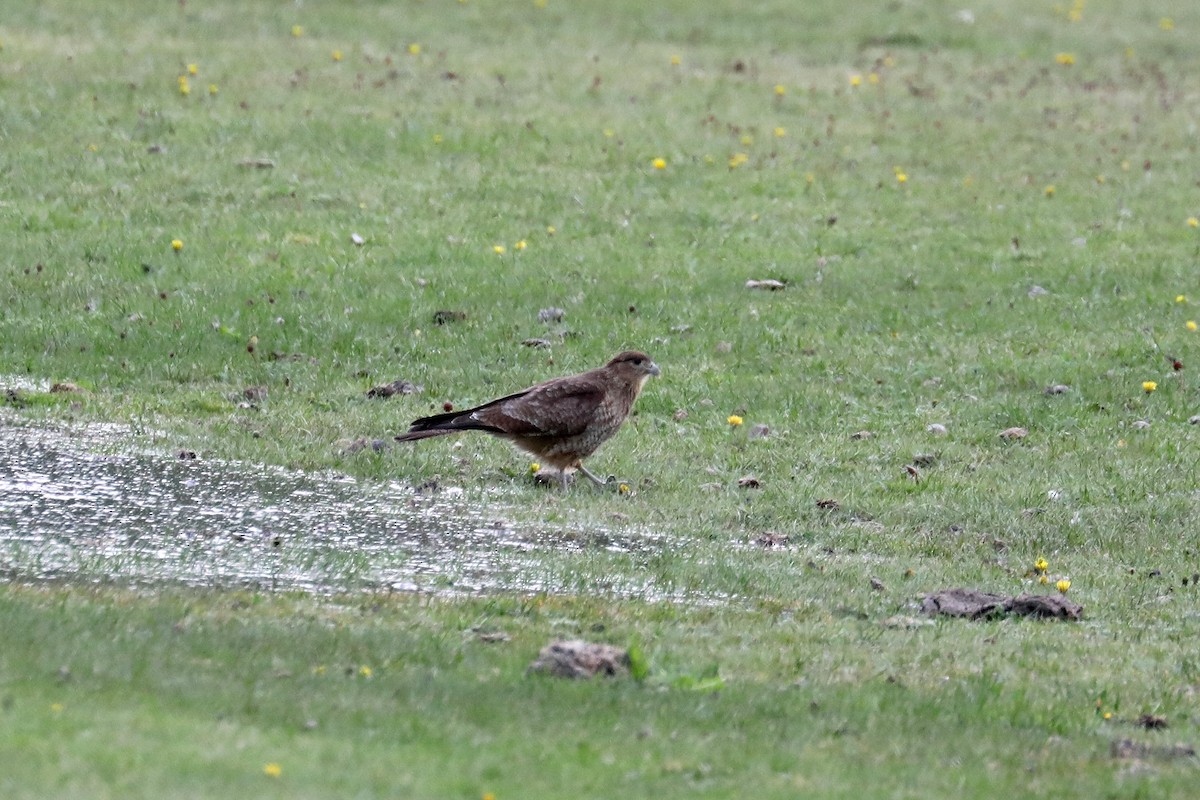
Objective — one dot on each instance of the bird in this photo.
(560, 421)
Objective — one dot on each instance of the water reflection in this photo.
(70, 510)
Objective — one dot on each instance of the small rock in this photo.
(540, 343)
(1058, 388)
(255, 394)
(770, 539)
(1036, 291)
(256, 163)
(1195, 420)
(749, 482)
(858, 436)
(1141, 424)
(924, 460)
(936, 428)
(551, 314)
(758, 431)
(680, 414)
(828, 504)
(579, 659)
(64, 386)
(186, 455)
(877, 584)
(724, 347)
(358, 240)
(1013, 433)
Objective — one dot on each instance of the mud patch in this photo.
(82, 505)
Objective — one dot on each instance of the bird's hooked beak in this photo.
(653, 369)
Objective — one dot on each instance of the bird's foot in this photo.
(611, 482)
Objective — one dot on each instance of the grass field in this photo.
(967, 204)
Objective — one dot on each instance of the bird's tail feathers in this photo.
(413, 436)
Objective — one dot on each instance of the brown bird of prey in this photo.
(561, 421)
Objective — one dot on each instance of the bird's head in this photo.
(636, 367)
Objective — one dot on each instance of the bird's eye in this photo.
(637, 362)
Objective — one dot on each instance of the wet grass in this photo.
(195, 694)
(965, 211)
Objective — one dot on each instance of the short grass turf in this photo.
(967, 204)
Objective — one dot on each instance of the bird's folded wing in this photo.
(562, 407)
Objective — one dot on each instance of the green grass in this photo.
(907, 303)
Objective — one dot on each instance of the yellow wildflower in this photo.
(437, 138)
(56, 708)
(551, 230)
(365, 671)
(1192, 222)
(184, 88)
(498, 249)
(1190, 325)
(737, 160)
(297, 31)
(856, 80)
(676, 61)
(1108, 715)
(177, 245)
(1041, 565)
(780, 133)
(414, 49)
(780, 90)
(1149, 386)
(521, 245)
(659, 163)
(535, 468)
(1181, 298)
(1063, 585)
(873, 78)
(1166, 24)
(272, 770)
(747, 139)
(901, 176)
(212, 89)
(1049, 190)
(1065, 59)
(734, 420)
(624, 488)
(193, 69)
(337, 55)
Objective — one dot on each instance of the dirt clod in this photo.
(1152, 722)
(393, 388)
(576, 658)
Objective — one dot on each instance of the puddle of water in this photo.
(73, 509)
